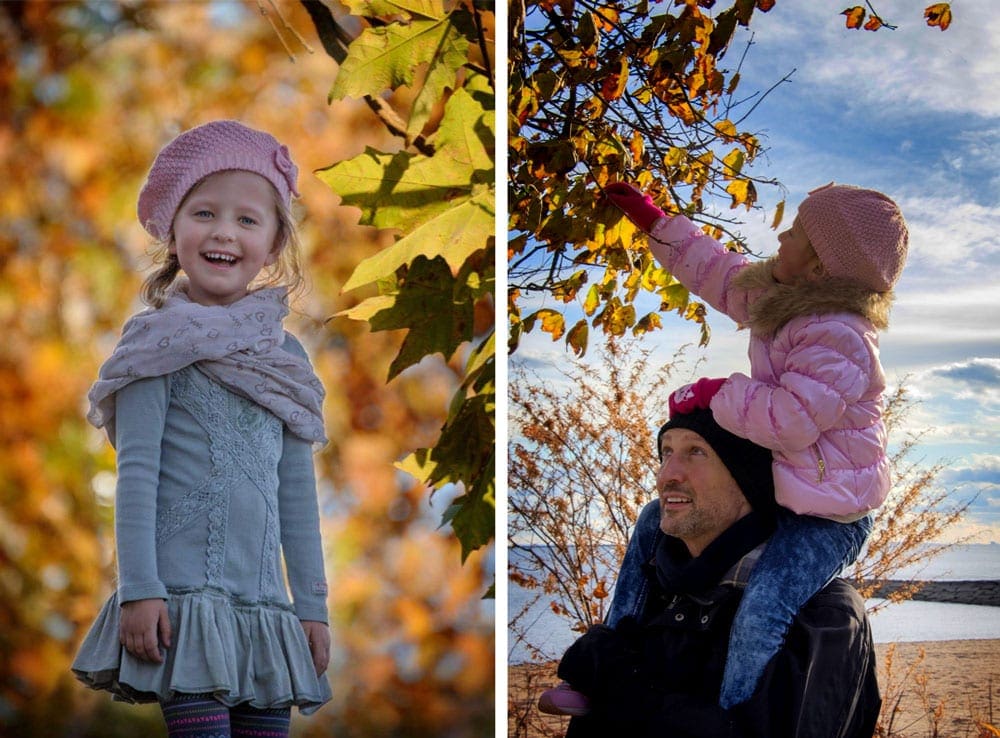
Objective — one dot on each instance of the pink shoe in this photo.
(563, 700)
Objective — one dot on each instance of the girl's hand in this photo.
(144, 626)
(637, 206)
(318, 635)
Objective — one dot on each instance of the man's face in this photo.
(699, 498)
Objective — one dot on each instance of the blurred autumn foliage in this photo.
(89, 91)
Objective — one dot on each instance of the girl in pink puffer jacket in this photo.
(814, 394)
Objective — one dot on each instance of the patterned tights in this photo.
(202, 716)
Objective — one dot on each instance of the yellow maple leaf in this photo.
(743, 192)
(855, 16)
(938, 14)
(552, 322)
(874, 23)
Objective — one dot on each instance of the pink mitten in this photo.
(695, 396)
(637, 206)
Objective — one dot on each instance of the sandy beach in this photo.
(935, 688)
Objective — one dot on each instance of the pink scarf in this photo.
(238, 345)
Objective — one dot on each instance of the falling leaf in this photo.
(779, 213)
(938, 14)
(855, 16)
(764, 5)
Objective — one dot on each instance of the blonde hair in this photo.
(286, 270)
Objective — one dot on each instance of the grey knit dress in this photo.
(212, 490)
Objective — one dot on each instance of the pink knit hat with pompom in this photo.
(858, 234)
(214, 147)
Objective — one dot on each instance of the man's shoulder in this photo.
(837, 602)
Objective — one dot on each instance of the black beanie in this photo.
(749, 464)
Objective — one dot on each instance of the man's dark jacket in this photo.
(661, 676)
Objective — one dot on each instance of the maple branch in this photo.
(287, 26)
(875, 13)
(335, 41)
(481, 38)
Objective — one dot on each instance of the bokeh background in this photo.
(89, 92)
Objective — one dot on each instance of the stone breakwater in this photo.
(972, 592)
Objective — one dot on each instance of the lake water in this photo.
(904, 621)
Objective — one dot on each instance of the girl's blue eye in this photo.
(246, 219)
(204, 214)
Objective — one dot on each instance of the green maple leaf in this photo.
(411, 8)
(386, 57)
(442, 70)
(396, 190)
(466, 454)
(433, 306)
(466, 450)
(444, 204)
(453, 235)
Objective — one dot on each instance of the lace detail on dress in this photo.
(244, 442)
(257, 439)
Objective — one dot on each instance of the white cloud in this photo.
(903, 73)
(951, 237)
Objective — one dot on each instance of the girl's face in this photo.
(797, 260)
(224, 234)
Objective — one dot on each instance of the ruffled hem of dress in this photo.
(237, 652)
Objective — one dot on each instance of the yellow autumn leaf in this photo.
(552, 322)
(733, 164)
(938, 14)
(743, 192)
(855, 16)
(577, 337)
(648, 322)
(726, 128)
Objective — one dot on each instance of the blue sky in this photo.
(914, 113)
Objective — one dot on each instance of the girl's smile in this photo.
(224, 234)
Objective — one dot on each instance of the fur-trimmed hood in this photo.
(780, 303)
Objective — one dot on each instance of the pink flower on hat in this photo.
(218, 146)
(283, 161)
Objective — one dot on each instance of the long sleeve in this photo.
(702, 264)
(140, 408)
(298, 511)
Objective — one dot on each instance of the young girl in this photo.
(213, 409)
(814, 397)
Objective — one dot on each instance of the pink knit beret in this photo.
(859, 234)
(214, 147)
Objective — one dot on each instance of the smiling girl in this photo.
(213, 409)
